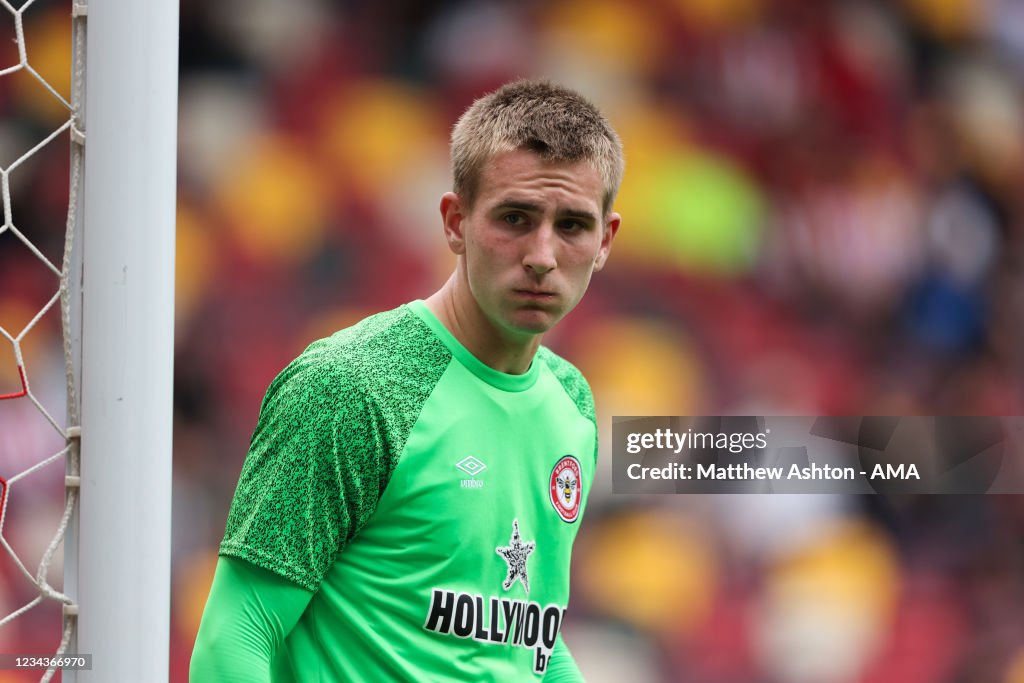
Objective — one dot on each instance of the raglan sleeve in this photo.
(313, 473)
(575, 386)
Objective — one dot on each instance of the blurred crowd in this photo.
(822, 214)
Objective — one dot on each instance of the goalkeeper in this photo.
(408, 505)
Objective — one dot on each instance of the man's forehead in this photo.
(516, 175)
(527, 158)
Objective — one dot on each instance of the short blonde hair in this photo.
(555, 122)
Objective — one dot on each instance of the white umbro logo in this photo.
(471, 466)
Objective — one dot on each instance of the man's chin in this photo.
(533, 321)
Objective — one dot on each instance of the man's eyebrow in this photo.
(582, 214)
(518, 205)
(521, 205)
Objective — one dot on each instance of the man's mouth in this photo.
(535, 294)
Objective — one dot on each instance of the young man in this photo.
(414, 485)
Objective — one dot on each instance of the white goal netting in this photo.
(40, 131)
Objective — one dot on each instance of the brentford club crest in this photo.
(566, 488)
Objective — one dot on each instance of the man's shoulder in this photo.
(365, 336)
(374, 351)
(572, 380)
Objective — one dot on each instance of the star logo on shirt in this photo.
(516, 553)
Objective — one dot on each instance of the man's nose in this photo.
(540, 250)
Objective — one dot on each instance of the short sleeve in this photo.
(313, 473)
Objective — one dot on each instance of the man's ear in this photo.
(453, 211)
(611, 227)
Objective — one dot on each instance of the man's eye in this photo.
(513, 219)
(572, 225)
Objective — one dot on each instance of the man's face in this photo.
(531, 240)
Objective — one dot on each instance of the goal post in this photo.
(121, 538)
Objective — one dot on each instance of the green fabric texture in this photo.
(428, 501)
(331, 430)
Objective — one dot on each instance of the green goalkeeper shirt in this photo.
(429, 501)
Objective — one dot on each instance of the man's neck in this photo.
(461, 315)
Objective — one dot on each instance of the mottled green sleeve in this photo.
(331, 430)
(311, 475)
(574, 384)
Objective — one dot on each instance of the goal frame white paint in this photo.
(118, 552)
